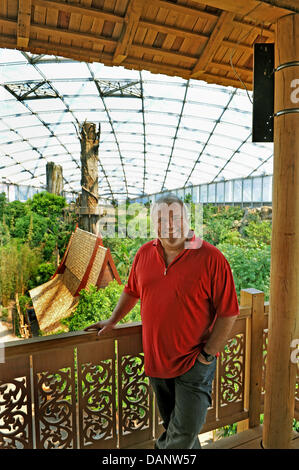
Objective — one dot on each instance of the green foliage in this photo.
(96, 305)
(18, 263)
(123, 251)
(24, 302)
(250, 266)
(43, 273)
(47, 204)
(257, 234)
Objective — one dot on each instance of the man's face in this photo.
(171, 224)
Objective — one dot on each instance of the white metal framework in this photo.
(157, 132)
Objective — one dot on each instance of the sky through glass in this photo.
(157, 132)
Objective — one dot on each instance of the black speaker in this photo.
(263, 93)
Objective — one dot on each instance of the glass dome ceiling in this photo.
(157, 132)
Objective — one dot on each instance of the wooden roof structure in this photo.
(210, 40)
(86, 261)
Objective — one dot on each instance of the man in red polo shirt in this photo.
(188, 307)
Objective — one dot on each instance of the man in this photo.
(188, 307)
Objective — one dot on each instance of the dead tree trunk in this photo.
(54, 178)
(89, 210)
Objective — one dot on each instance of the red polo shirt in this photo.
(180, 303)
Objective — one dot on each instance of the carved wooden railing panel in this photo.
(265, 346)
(15, 404)
(232, 372)
(96, 393)
(135, 394)
(54, 400)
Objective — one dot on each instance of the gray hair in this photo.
(169, 199)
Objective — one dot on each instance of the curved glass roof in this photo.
(157, 132)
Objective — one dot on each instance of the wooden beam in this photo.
(254, 10)
(228, 68)
(42, 47)
(130, 26)
(139, 64)
(183, 10)
(62, 33)
(284, 287)
(221, 29)
(291, 5)
(23, 25)
(225, 81)
(72, 8)
(161, 28)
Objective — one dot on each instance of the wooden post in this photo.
(54, 178)
(254, 356)
(89, 210)
(284, 291)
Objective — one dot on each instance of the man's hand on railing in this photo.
(101, 327)
(124, 305)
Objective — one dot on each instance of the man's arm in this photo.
(219, 336)
(125, 304)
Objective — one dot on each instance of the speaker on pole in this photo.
(263, 93)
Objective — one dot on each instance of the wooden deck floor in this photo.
(250, 439)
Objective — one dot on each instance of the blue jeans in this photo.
(183, 402)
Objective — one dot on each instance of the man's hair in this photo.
(169, 199)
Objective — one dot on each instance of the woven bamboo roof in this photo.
(190, 39)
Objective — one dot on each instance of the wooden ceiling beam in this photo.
(57, 32)
(183, 10)
(225, 81)
(255, 10)
(205, 37)
(76, 53)
(228, 68)
(72, 8)
(73, 35)
(130, 26)
(141, 49)
(291, 5)
(161, 28)
(23, 24)
(223, 25)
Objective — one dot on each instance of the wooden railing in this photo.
(77, 390)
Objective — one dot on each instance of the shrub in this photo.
(47, 204)
(250, 266)
(18, 264)
(96, 305)
(43, 273)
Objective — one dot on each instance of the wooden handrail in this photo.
(71, 339)
(64, 340)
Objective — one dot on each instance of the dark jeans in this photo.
(183, 402)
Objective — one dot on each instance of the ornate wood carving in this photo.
(135, 388)
(265, 345)
(134, 394)
(54, 400)
(15, 405)
(96, 390)
(232, 374)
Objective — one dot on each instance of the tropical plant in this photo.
(98, 304)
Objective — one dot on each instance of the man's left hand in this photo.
(200, 358)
